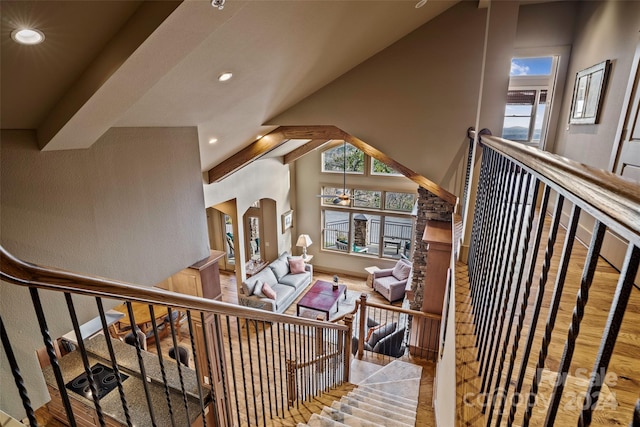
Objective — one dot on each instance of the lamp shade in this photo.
(304, 241)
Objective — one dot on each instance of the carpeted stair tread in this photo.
(345, 418)
(384, 400)
(389, 413)
(409, 388)
(320, 421)
(370, 389)
(394, 371)
(366, 415)
(383, 405)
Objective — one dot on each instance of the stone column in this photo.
(361, 230)
(430, 207)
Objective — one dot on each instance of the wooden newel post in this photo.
(363, 318)
(291, 382)
(319, 345)
(348, 322)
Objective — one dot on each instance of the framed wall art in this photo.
(588, 93)
(287, 220)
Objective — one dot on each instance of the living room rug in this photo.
(344, 307)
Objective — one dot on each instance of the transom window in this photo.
(333, 159)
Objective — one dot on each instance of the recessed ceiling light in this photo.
(213, 140)
(225, 76)
(27, 36)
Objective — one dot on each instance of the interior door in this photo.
(625, 160)
(627, 163)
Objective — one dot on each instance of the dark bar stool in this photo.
(183, 355)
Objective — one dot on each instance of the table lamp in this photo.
(304, 241)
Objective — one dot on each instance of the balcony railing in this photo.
(509, 261)
(247, 367)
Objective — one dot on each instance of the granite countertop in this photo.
(127, 359)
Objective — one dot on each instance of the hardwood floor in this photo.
(622, 383)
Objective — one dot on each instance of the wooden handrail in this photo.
(604, 192)
(19, 272)
(401, 310)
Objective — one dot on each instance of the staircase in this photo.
(384, 396)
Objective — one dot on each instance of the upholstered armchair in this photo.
(391, 282)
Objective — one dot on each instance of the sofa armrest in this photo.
(309, 268)
(382, 273)
(254, 301)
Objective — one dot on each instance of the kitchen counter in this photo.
(126, 357)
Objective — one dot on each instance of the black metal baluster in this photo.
(273, 365)
(196, 363)
(178, 364)
(614, 321)
(114, 365)
(522, 241)
(244, 382)
(494, 268)
(527, 288)
(253, 380)
(500, 275)
(17, 377)
(587, 277)
(264, 419)
(565, 259)
(210, 372)
(478, 218)
(296, 348)
(221, 358)
(546, 265)
(281, 355)
(85, 359)
(167, 392)
(51, 352)
(490, 246)
(517, 221)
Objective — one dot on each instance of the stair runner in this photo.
(385, 396)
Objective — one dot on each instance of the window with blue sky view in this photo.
(531, 66)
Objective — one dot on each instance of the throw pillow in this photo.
(380, 332)
(401, 270)
(257, 290)
(296, 265)
(280, 266)
(268, 291)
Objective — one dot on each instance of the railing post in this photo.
(319, 345)
(291, 382)
(348, 321)
(362, 314)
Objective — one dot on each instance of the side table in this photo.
(370, 271)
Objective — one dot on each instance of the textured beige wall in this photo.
(130, 208)
(415, 99)
(604, 30)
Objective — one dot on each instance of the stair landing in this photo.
(384, 396)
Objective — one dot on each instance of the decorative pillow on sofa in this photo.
(266, 276)
(379, 332)
(401, 270)
(280, 266)
(268, 292)
(296, 265)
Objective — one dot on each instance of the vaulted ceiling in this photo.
(156, 63)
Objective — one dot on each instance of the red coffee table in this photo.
(322, 297)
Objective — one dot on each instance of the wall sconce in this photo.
(304, 241)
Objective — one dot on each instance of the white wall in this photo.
(130, 208)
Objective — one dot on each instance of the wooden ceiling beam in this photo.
(269, 142)
(248, 154)
(319, 135)
(304, 149)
